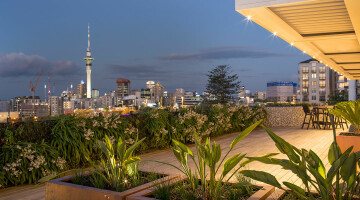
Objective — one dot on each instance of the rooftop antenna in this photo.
(49, 91)
(45, 90)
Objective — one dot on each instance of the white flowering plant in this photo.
(155, 123)
(190, 122)
(24, 162)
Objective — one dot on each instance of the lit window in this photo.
(313, 69)
(305, 69)
(305, 76)
(313, 83)
(306, 84)
(340, 85)
(322, 83)
(322, 76)
(313, 75)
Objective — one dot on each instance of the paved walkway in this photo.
(255, 144)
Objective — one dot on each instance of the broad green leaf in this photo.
(298, 190)
(244, 133)
(331, 154)
(319, 166)
(131, 160)
(262, 177)
(131, 149)
(336, 165)
(177, 155)
(183, 147)
(348, 169)
(231, 163)
(284, 146)
(247, 161)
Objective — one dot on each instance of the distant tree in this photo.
(337, 96)
(222, 83)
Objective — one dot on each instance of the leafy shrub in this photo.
(74, 137)
(25, 162)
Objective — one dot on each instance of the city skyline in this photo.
(128, 42)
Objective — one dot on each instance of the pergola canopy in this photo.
(328, 30)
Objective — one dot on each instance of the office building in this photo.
(122, 87)
(18, 102)
(281, 92)
(260, 95)
(145, 93)
(158, 92)
(81, 90)
(95, 93)
(189, 99)
(56, 105)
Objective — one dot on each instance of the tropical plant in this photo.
(119, 163)
(349, 111)
(209, 156)
(341, 181)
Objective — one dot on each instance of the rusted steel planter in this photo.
(262, 194)
(59, 189)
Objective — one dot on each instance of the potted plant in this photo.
(350, 112)
(117, 177)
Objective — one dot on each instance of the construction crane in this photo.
(32, 89)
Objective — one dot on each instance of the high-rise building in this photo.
(150, 84)
(145, 93)
(95, 93)
(56, 106)
(281, 92)
(81, 90)
(316, 82)
(88, 59)
(122, 88)
(158, 91)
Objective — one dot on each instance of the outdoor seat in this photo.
(309, 113)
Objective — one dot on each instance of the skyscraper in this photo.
(88, 59)
(81, 90)
(122, 88)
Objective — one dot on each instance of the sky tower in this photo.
(88, 59)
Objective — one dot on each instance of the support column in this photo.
(352, 90)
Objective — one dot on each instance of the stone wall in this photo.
(284, 116)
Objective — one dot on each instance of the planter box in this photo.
(345, 142)
(59, 189)
(262, 194)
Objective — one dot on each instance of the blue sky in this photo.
(175, 42)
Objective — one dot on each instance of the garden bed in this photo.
(178, 188)
(69, 187)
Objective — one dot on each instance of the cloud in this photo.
(19, 64)
(222, 52)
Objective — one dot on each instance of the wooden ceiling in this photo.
(328, 30)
